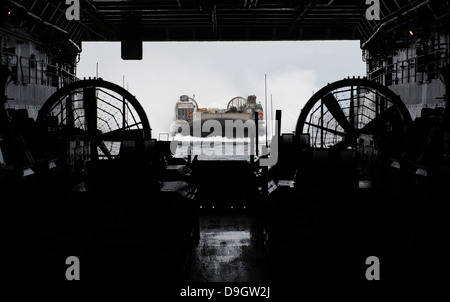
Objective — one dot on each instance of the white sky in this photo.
(215, 72)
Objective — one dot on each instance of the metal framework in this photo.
(102, 111)
(230, 20)
(340, 112)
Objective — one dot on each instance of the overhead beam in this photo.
(107, 29)
(302, 15)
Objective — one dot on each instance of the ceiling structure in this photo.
(232, 20)
(135, 21)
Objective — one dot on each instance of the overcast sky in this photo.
(215, 72)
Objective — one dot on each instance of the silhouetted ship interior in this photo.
(365, 173)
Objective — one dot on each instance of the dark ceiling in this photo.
(231, 20)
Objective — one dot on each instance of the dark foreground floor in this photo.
(229, 251)
(291, 240)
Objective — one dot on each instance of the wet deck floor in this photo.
(229, 251)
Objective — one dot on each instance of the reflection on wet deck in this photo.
(229, 251)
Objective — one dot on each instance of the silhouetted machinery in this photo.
(353, 126)
(28, 170)
(348, 131)
(346, 183)
(95, 120)
(359, 132)
(122, 201)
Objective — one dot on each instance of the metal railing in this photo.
(419, 69)
(27, 70)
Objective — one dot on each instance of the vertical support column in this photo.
(90, 111)
(352, 109)
(321, 124)
(256, 134)
(69, 111)
(377, 104)
(358, 107)
(4, 74)
(446, 118)
(189, 153)
(265, 112)
(278, 118)
(124, 109)
(252, 139)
